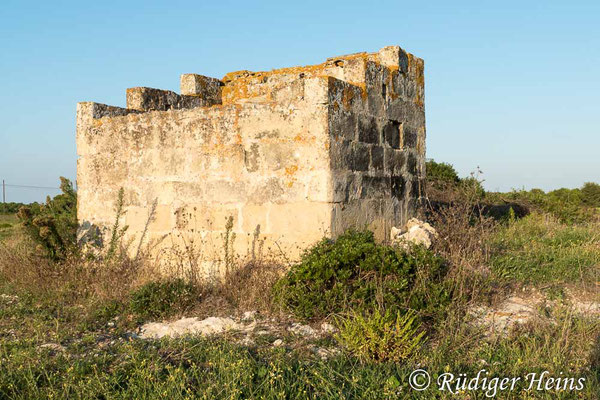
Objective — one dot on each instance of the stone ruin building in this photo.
(286, 156)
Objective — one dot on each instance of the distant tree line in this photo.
(10, 208)
(568, 205)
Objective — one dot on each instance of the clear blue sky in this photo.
(511, 86)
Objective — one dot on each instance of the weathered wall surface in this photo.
(291, 155)
(377, 128)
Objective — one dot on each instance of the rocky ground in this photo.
(529, 304)
(249, 329)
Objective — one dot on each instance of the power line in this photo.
(5, 185)
(32, 187)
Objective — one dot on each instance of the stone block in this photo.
(203, 217)
(377, 159)
(398, 187)
(375, 187)
(392, 133)
(402, 110)
(354, 70)
(411, 163)
(268, 189)
(343, 125)
(346, 186)
(310, 219)
(149, 99)
(360, 156)
(316, 90)
(162, 220)
(206, 88)
(394, 57)
(225, 191)
(254, 218)
(409, 137)
(320, 187)
(368, 131)
(340, 154)
(394, 161)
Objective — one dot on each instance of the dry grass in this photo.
(245, 285)
(249, 287)
(464, 236)
(80, 277)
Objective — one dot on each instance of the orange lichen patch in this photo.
(260, 85)
(299, 138)
(231, 76)
(246, 84)
(217, 147)
(238, 139)
(393, 91)
(291, 170)
(97, 123)
(410, 60)
(420, 75)
(303, 138)
(290, 173)
(362, 54)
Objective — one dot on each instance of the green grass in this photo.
(103, 363)
(7, 225)
(539, 250)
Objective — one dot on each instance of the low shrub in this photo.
(53, 225)
(10, 208)
(161, 299)
(352, 272)
(590, 193)
(431, 291)
(380, 337)
(474, 186)
(441, 172)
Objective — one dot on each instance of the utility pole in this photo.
(3, 192)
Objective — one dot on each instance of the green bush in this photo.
(160, 299)
(472, 187)
(10, 208)
(53, 225)
(443, 177)
(352, 272)
(590, 193)
(568, 205)
(380, 337)
(441, 172)
(431, 292)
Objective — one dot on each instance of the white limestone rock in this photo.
(414, 232)
(302, 330)
(188, 326)
(326, 327)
